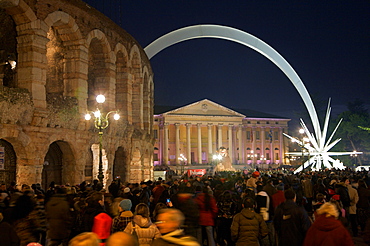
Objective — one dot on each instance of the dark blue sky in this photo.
(326, 42)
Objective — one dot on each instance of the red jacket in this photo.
(278, 198)
(157, 192)
(207, 217)
(102, 226)
(327, 231)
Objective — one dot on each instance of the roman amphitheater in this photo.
(56, 57)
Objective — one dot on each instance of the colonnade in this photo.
(198, 142)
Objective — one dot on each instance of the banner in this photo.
(2, 158)
(196, 172)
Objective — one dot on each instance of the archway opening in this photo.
(8, 162)
(59, 164)
(120, 165)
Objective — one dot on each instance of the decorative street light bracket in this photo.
(101, 122)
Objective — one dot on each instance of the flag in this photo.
(251, 136)
(270, 136)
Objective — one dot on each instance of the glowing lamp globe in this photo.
(100, 98)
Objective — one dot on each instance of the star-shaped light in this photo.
(318, 149)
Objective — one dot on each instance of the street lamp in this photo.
(251, 155)
(354, 155)
(182, 160)
(101, 122)
(216, 159)
(263, 160)
(304, 144)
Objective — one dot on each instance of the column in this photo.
(253, 140)
(230, 133)
(199, 125)
(263, 140)
(219, 128)
(281, 146)
(165, 150)
(210, 150)
(177, 143)
(240, 144)
(272, 146)
(161, 143)
(188, 143)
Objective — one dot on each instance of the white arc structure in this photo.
(320, 147)
(241, 37)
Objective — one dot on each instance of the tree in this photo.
(354, 138)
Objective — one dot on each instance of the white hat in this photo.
(126, 190)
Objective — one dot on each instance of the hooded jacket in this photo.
(58, 217)
(145, 230)
(121, 221)
(291, 223)
(175, 238)
(327, 231)
(247, 228)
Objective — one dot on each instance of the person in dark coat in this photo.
(7, 234)
(95, 218)
(59, 218)
(291, 222)
(248, 227)
(342, 190)
(145, 193)
(185, 203)
(327, 230)
(228, 208)
(363, 204)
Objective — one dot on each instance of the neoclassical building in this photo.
(196, 131)
(56, 56)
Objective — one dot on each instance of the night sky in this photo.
(326, 42)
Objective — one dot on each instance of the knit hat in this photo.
(126, 190)
(280, 186)
(256, 174)
(126, 204)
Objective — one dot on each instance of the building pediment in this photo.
(204, 107)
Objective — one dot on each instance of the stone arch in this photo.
(137, 87)
(123, 83)
(8, 160)
(101, 67)
(120, 164)
(59, 164)
(20, 11)
(8, 50)
(64, 52)
(146, 100)
(31, 38)
(244, 38)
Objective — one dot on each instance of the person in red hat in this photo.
(251, 183)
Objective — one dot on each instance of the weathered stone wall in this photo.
(66, 54)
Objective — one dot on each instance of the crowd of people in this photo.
(260, 207)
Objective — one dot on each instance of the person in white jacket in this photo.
(142, 226)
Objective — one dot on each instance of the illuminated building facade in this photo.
(198, 130)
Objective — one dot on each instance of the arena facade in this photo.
(56, 57)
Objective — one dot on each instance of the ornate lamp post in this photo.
(354, 156)
(101, 122)
(182, 160)
(303, 143)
